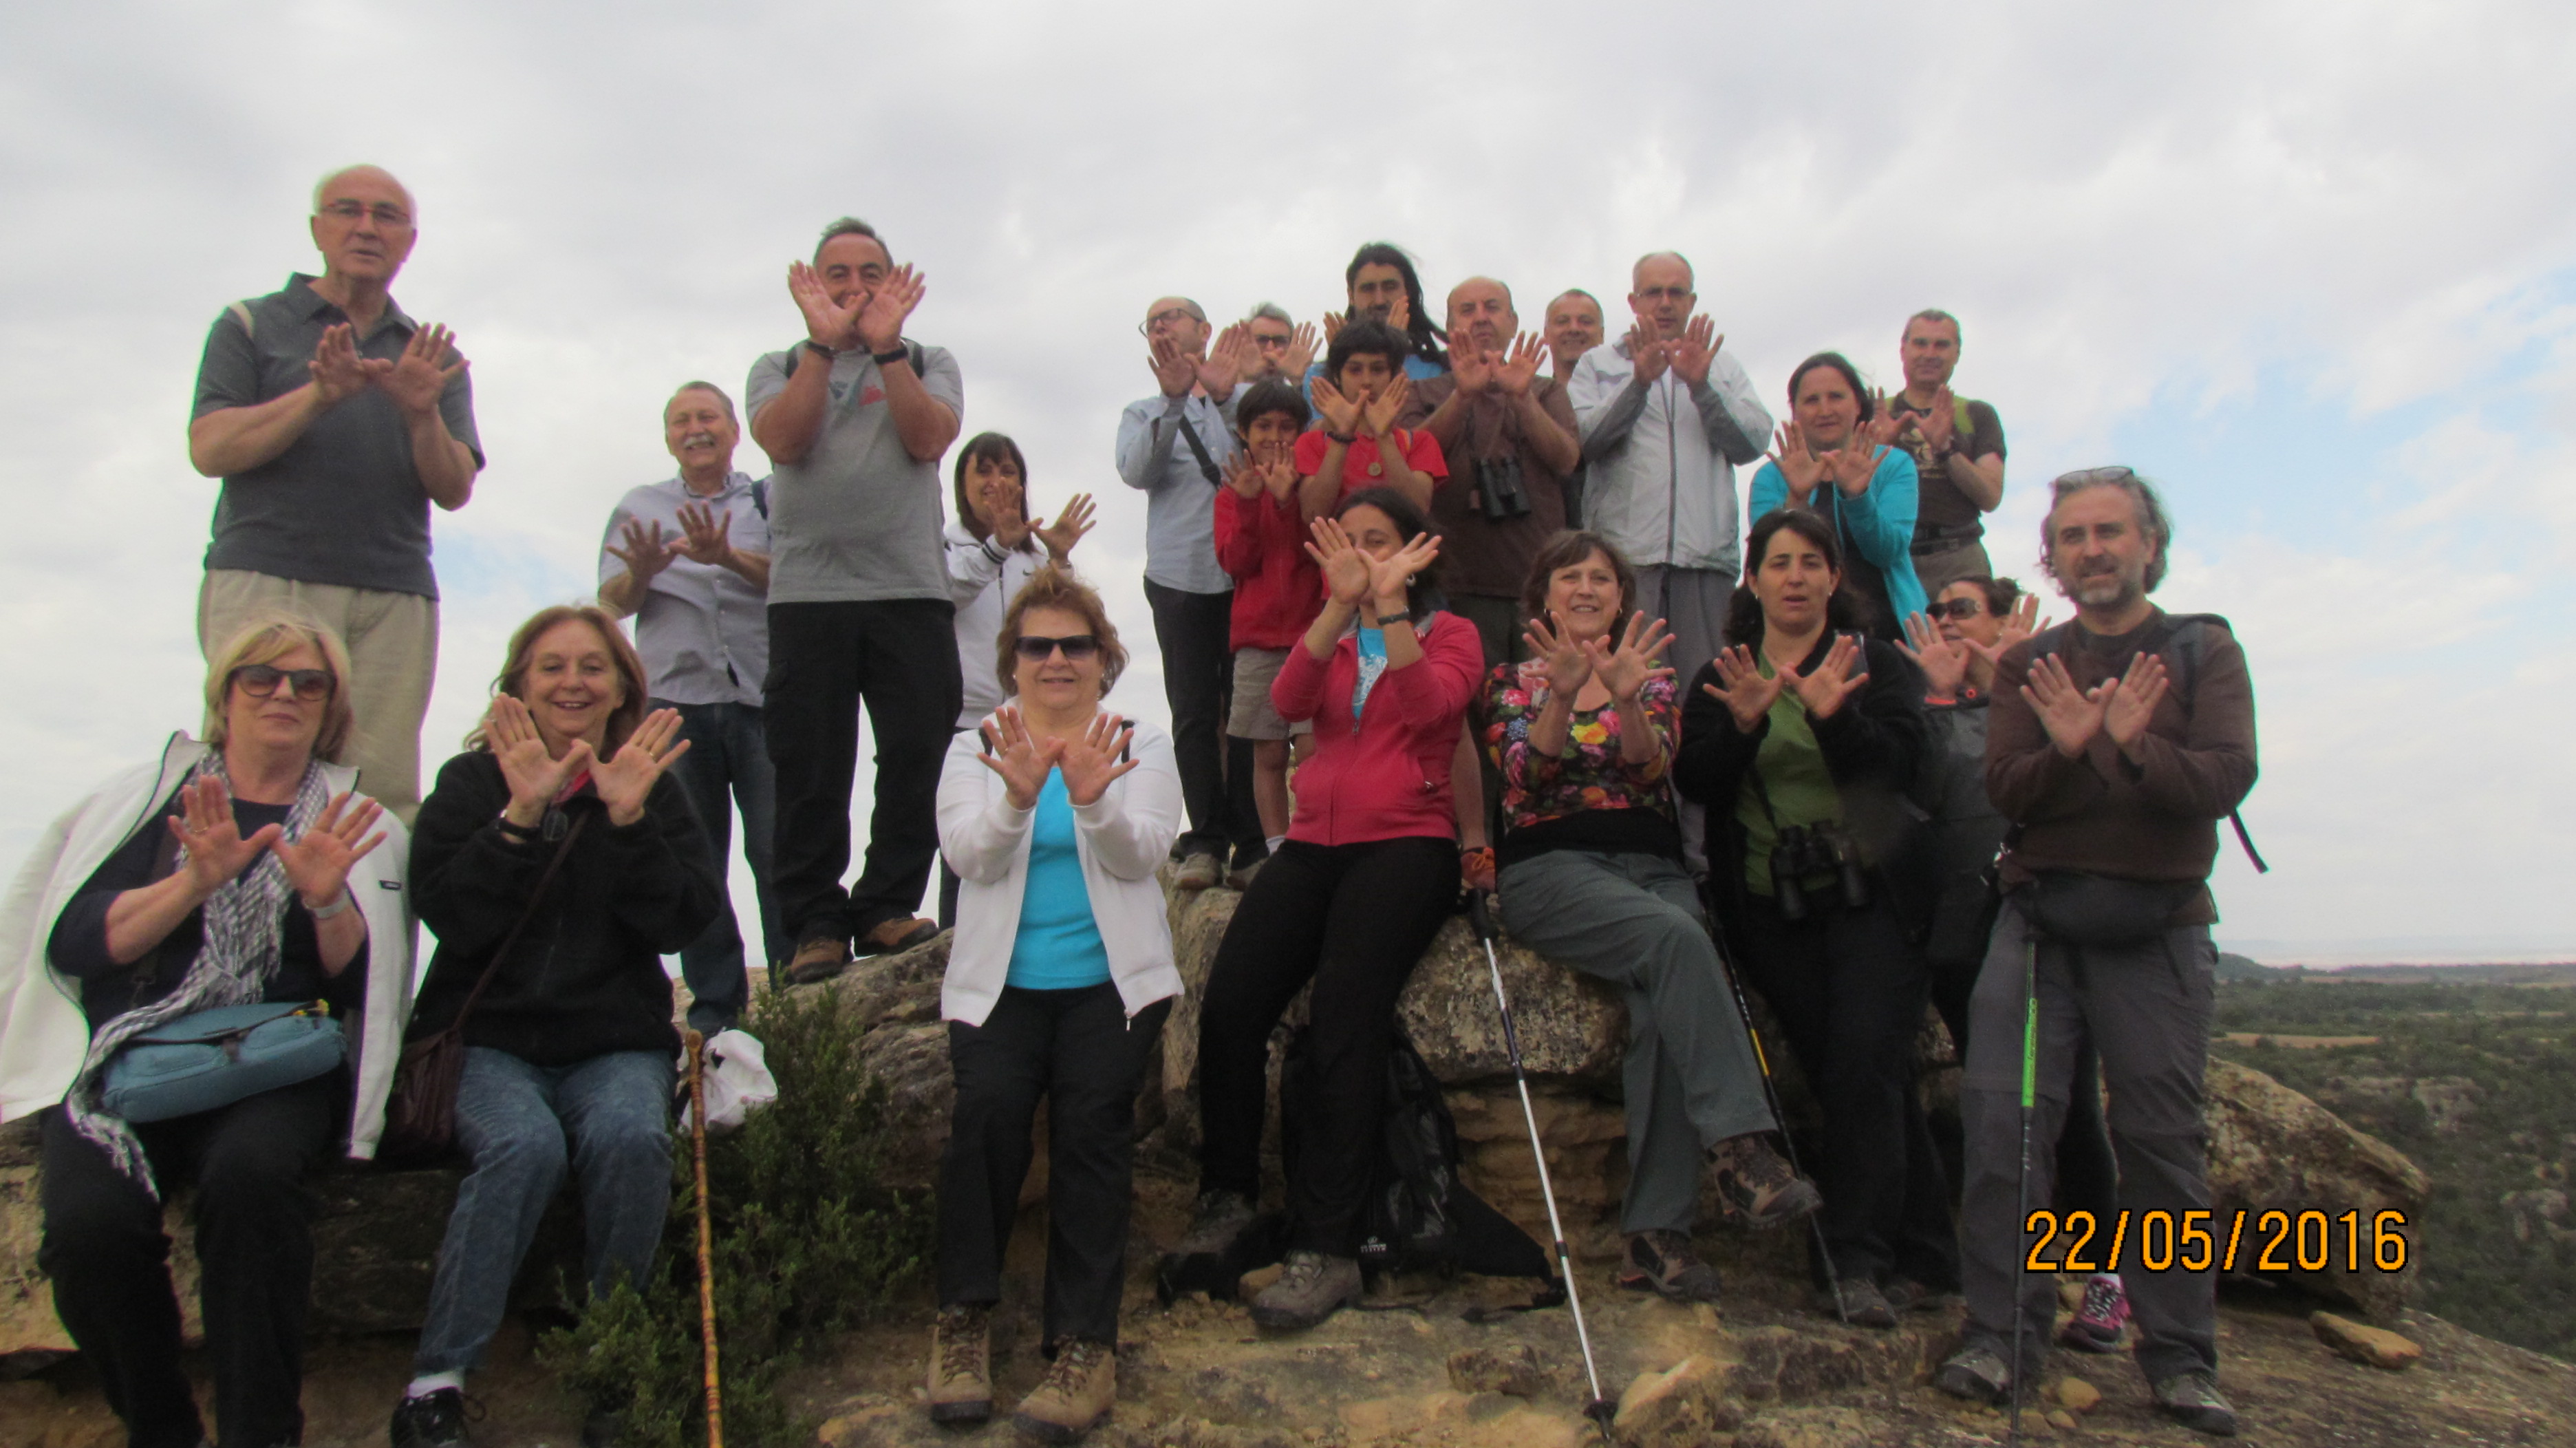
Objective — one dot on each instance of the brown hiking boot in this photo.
(901, 933)
(1663, 1263)
(818, 959)
(1311, 1287)
(1757, 1185)
(961, 1367)
(1073, 1397)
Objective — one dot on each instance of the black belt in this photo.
(1943, 540)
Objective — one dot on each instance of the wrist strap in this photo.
(1344, 438)
(819, 350)
(889, 357)
(1385, 619)
(340, 906)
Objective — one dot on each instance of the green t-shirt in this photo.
(1790, 770)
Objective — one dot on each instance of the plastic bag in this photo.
(738, 1081)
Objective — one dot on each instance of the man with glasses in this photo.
(335, 421)
(854, 418)
(2115, 745)
(1958, 448)
(1173, 447)
(1667, 417)
(1279, 348)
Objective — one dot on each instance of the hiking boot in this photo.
(1862, 1305)
(1977, 1374)
(1904, 1294)
(1073, 1397)
(1757, 1185)
(1662, 1262)
(1198, 872)
(903, 932)
(1222, 1217)
(1313, 1287)
(2098, 1323)
(961, 1367)
(1240, 877)
(818, 959)
(432, 1420)
(2192, 1400)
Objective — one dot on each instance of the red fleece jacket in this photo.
(1278, 590)
(1386, 775)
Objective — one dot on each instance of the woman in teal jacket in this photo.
(1826, 463)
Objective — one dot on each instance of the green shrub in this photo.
(808, 1239)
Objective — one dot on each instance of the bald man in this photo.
(335, 421)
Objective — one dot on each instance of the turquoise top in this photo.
(1058, 946)
(1372, 664)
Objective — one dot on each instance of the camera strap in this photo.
(1198, 449)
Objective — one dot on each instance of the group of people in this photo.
(1440, 604)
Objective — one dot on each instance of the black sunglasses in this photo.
(261, 680)
(1957, 608)
(1037, 650)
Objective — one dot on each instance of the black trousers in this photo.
(899, 657)
(2088, 1175)
(1079, 1050)
(1849, 991)
(110, 1262)
(1354, 919)
(1194, 632)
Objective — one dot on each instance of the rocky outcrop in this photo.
(2272, 1149)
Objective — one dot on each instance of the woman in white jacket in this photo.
(1055, 814)
(240, 872)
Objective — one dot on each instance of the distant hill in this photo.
(2232, 967)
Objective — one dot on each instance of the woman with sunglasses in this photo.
(1056, 814)
(1368, 873)
(240, 871)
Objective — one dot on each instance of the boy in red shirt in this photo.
(1260, 538)
(1361, 393)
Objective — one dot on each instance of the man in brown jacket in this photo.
(2116, 744)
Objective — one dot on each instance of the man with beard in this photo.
(2116, 744)
(1958, 449)
(1383, 287)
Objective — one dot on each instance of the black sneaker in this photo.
(2192, 1400)
(432, 1420)
(1663, 1263)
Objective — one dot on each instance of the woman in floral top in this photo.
(1592, 876)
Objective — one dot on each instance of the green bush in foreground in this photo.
(809, 1239)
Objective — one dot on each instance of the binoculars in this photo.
(1499, 489)
(1816, 849)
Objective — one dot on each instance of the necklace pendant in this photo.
(1376, 469)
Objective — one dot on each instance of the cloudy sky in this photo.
(2313, 267)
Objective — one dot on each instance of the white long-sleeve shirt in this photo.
(1663, 458)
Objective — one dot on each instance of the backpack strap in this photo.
(1198, 449)
(760, 497)
(241, 313)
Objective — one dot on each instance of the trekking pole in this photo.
(706, 1234)
(1480, 915)
(2021, 1167)
(1771, 1095)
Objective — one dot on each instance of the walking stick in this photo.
(1480, 915)
(2021, 1168)
(706, 1234)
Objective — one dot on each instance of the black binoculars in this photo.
(1499, 489)
(1816, 849)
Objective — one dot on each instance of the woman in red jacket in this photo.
(1369, 870)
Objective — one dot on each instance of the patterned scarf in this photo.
(233, 967)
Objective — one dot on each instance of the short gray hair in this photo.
(2151, 514)
(1270, 312)
(724, 401)
(851, 226)
(1933, 314)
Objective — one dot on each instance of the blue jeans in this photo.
(512, 1119)
(727, 766)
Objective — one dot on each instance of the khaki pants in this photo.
(392, 640)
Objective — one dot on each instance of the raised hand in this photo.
(1647, 349)
(1800, 468)
(1333, 324)
(1174, 369)
(1091, 763)
(2022, 622)
(1346, 569)
(338, 372)
(2071, 716)
(2132, 706)
(1400, 316)
(1067, 529)
(1742, 688)
(317, 866)
(1625, 665)
(645, 552)
(1695, 349)
(625, 779)
(1224, 361)
(706, 534)
(1010, 529)
(1568, 666)
(1389, 577)
(881, 317)
(1855, 465)
(1022, 762)
(1303, 345)
(1243, 475)
(1824, 688)
(1513, 377)
(215, 851)
(1941, 421)
(1944, 662)
(1473, 366)
(1280, 478)
(534, 774)
(1341, 414)
(425, 368)
(1883, 425)
(1386, 404)
(827, 323)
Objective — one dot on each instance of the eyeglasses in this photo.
(2090, 478)
(1265, 342)
(1174, 317)
(1957, 608)
(260, 681)
(384, 212)
(1036, 650)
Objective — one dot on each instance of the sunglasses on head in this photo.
(1037, 650)
(260, 681)
(1958, 608)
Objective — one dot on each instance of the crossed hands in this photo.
(1688, 355)
(1623, 664)
(537, 777)
(1850, 469)
(1351, 575)
(414, 380)
(1507, 374)
(317, 866)
(2121, 707)
(1090, 761)
(872, 319)
(1372, 412)
(1748, 696)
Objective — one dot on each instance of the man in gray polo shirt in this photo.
(855, 417)
(689, 558)
(335, 420)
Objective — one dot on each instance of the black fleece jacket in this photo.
(1871, 746)
(585, 977)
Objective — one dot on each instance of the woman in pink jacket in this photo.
(1369, 870)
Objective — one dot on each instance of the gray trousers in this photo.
(2146, 1009)
(1691, 1078)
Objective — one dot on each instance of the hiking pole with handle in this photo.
(2021, 1167)
(1771, 1095)
(1480, 914)
(706, 1234)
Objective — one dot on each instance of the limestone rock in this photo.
(1509, 1369)
(2077, 1395)
(2273, 1148)
(1684, 1404)
(2061, 1420)
(2374, 1346)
